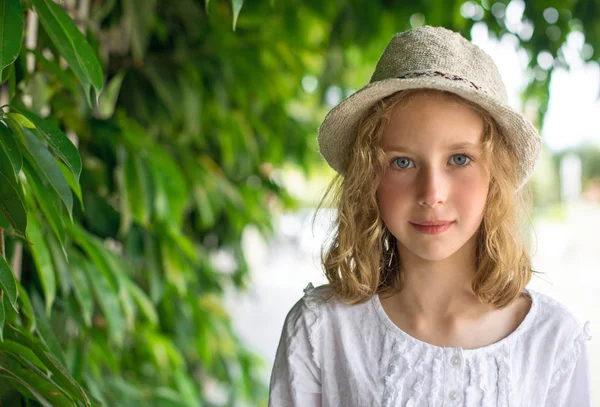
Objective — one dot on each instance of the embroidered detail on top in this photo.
(395, 375)
(443, 75)
(417, 387)
(435, 395)
(569, 360)
(505, 395)
(587, 331)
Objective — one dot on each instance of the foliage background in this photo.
(169, 122)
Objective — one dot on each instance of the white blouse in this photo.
(331, 354)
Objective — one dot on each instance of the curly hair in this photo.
(361, 258)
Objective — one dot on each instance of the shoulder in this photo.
(312, 302)
(324, 301)
(317, 302)
(308, 310)
(555, 319)
(320, 303)
(317, 298)
(303, 326)
(558, 332)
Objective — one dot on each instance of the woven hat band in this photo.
(448, 76)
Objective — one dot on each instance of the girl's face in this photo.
(435, 174)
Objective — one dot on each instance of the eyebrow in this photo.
(454, 146)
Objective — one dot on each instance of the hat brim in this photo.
(338, 130)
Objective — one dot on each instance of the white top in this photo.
(332, 355)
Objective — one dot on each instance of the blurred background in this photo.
(166, 279)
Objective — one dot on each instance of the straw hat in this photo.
(434, 58)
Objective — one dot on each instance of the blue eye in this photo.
(460, 160)
(403, 163)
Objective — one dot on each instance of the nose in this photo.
(432, 187)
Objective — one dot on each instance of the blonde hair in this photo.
(362, 259)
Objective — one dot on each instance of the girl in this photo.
(426, 303)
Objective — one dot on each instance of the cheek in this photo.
(394, 206)
(384, 197)
(393, 182)
(472, 191)
(389, 194)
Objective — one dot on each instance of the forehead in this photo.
(433, 120)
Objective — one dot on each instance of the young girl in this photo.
(426, 303)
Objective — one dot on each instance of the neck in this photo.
(438, 289)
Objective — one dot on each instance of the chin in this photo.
(433, 253)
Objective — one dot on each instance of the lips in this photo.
(431, 222)
(432, 227)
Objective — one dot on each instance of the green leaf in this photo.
(47, 338)
(187, 388)
(206, 214)
(55, 393)
(48, 201)
(108, 301)
(45, 165)
(6, 168)
(59, 373)
(82, 290)
(11, 161)
(175, 266)
(12, 82)
(237, 6)
(12, 206)
(96, 252)
(60, 259)
(126, 218)
(11, 32)
(121, 271)
(217, 178)
(153, 266)
(24, 369)
(94, 385)
(58, 142)
(62, 377)
(15, 128)
(166, 397)
(166, 354)
(43, 261)
(2, 316)
(183, 243)
(22, 120)
(8, 283)
(108, 99)
(28, 316)
(72, 45)
(7, 72)
(10, 315)
(143, 303)
(171, 193)
(73, 182)
(24, 382)
(22, 350)
(137, 183)
(4, 223)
